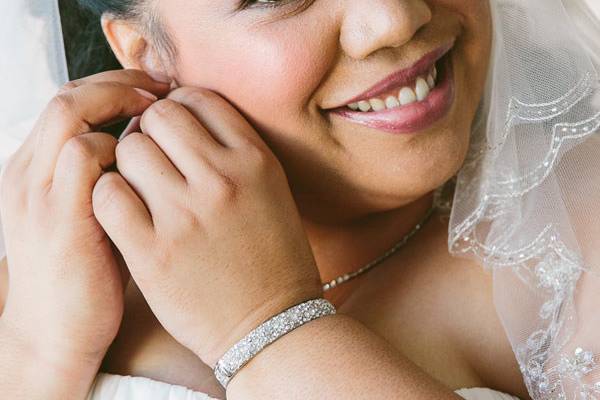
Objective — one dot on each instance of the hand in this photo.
(66, 285)
(204, 217)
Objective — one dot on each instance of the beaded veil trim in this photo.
(519, 207)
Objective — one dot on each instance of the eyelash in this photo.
(297, 6)
(261, 4)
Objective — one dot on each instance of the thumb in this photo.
(123, 269)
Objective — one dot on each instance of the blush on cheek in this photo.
(258, 71)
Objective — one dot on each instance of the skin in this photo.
(382, 183)
(376, 176)
(51, 178)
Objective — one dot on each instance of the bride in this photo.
(428, 168)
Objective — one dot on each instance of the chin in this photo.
(395, 176)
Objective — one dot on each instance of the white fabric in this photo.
(527, 200)
(594, 5)
(119, 387)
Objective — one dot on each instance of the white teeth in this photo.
(430, 81)
(407, 96)
(377, 104)
(392, 102)
(421, 89)
(364, 105)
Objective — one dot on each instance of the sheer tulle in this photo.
(526, 203)
(527, 200)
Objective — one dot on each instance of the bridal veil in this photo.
(526, 203)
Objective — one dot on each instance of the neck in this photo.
(345, 247)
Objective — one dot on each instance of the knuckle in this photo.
(224, 189)
(63, 103)
(259, 157)
(262, 162)
(67, 87)
(60, 108)
(78, 149)
(104, 191)
(187, 221)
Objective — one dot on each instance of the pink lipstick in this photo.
(416, 115)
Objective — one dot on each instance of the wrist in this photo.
(41, 356)
(268, 309)
(29, 372)
(299, 352)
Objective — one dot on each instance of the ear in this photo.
(132, 49)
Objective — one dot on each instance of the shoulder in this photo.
(479, 333)
(439, 311)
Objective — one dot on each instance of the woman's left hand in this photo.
(204, 217)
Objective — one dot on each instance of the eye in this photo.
(288, 7)
(299, 4)
(262, 3)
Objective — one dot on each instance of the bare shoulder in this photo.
(439, 310)
(3, 283)
(478, 331)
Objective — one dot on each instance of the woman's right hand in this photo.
(66, 283)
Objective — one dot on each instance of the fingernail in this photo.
(159, 77)
(146, 94)
(133, 126)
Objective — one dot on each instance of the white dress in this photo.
(119, 387)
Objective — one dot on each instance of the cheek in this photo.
(258, 72)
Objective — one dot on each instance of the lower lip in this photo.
(413, 117)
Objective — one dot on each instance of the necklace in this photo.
(346, 277)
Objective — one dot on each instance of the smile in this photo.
(407, 101)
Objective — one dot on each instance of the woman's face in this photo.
(286, 67)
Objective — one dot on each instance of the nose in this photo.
(368, 26)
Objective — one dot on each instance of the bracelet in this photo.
(267, 332)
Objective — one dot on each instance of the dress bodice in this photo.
(119, 387)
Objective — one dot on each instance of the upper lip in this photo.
(403, 76)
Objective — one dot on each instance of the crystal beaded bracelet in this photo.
(267, 332)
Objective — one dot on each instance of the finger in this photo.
(80, 163)
(131, 77)
(148, 171)
(122, 214)
(133, 126)
(123, 269)
(179, 134)
(218, 116)
(79, 111)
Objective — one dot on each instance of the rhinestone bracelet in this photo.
(267, 332)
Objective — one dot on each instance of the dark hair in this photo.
(121, 8)
(86, 47)
(87, 50)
